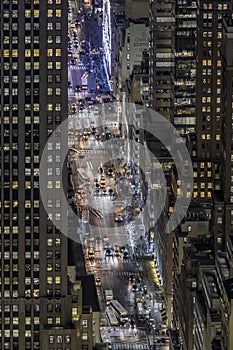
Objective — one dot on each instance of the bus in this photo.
(112, 318)
(108, 294)
(120, 311)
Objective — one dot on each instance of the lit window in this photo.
(49, 267)
(58, 320)
(58, 26)
(58, 39)
(58, 184)
(49, 242)
(59, 339)
(50, 65)
(58, 52)
(58, 216)
(58, 280)
(50, 321)
(84, 336)
(58, 91)
(27, 13)
(50, 26)
(50, 280)
(49, 52)
(67, 339)
(27, 53)
(50, 184)
(58, 242)
(84, 323)
(14, 53)
(49, 107)
(50, 91)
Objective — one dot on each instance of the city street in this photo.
(111, 228)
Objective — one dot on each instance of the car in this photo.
(107, 244)
(151, 323)
(73, 107)
(134, 288)
(85, 136)
(118, 217)
(108, 252)
(122, 248)
(117, 252)
(102, 184)
(110, 172)
(105, 237)
(98, 282)
(91, 254)
(131, 278)
(125, 255)
(83, 44)
(104, 193)
(145, 289)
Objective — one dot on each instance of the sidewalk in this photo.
(150, 279)
(148, 272)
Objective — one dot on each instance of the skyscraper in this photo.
(209, 86)
(161, 62)
(184, 73)
(33, 273)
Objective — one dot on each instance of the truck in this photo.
(141, 312)
(108, 294)
(84, 81)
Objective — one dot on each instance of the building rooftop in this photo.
(228, 284)
(218, 196)
(212, 284)
(89, 293)
(222, 264)
(215, 315)
(195, 212)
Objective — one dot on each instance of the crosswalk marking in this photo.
(74, 67)
(94, 151)
(109, 260)
(118, 273)
(131, 346)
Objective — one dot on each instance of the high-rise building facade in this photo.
(33, 272)
(161, 62)
(209, 107)
(184, 74)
